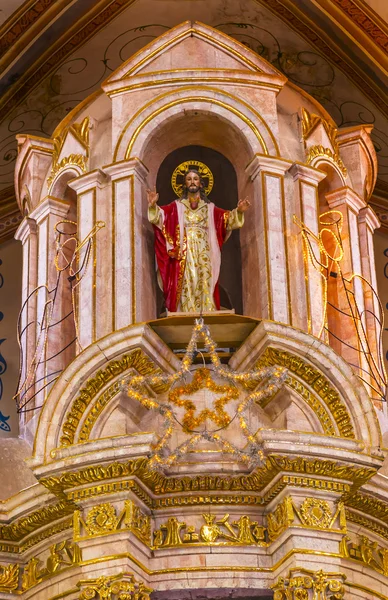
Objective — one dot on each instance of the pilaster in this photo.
(269, 255)
(307, 297)
(53, 300)
(344, 290)
(133, 270)
(94, 314)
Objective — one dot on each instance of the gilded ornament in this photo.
(102, 519)
(214, 531)
(63, 555)
(308, 585)
(137, 360)
(39, 518)
(178, 175)
(254, 482)
(312, 513)
(364, 550)
(282, 517)
(316, 513)
(81, 132)
(317, 381)
(375, 526)
(117, 587)
(9, 578)
(309, 122)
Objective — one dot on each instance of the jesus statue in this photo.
(189, 234)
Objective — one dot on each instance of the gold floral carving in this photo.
(62, 555)
(117, 587)
(136, 359)
(81, 132)
(312, 513)
(318, 382)
(214, 531)
(368, 552)
(9, 578)
(103, 519)
(309, 122)
(308, 585)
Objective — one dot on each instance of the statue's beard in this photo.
(193, 189)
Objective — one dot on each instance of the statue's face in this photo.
(193, 182)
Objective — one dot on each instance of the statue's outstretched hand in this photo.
(152, 197)
(243, 205)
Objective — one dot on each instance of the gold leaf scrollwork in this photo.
(309, 585)
(9, 578)
(117, 587)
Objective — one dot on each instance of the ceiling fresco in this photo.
(93, 38)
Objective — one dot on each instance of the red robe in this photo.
(171, 258)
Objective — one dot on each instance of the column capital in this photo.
(26, 228)
(345, 196)
(269, 164)
(367, 215)
(133, 166)
(95, 178)
(302, 172)
(50, 206)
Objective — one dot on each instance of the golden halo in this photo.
(177, 178)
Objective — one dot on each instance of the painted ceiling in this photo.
(54, 53)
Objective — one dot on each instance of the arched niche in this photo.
(223, 194)
(203, 124)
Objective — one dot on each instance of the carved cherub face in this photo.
(193, 182)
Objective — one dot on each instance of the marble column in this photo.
(306, 288)
(95, 259)
(367, 223)
(266, 256)
(54, 331)
(349, 294)
(27, 234)
(133, 290)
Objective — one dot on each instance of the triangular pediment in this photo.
(192, 46)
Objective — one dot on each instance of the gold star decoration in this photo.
(203, 380)
(265, 382)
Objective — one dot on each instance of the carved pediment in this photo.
(193, 46)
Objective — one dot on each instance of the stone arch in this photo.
(136, 133)
(240, 134)
(59, 185)
(342, 394)
(91, 385)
